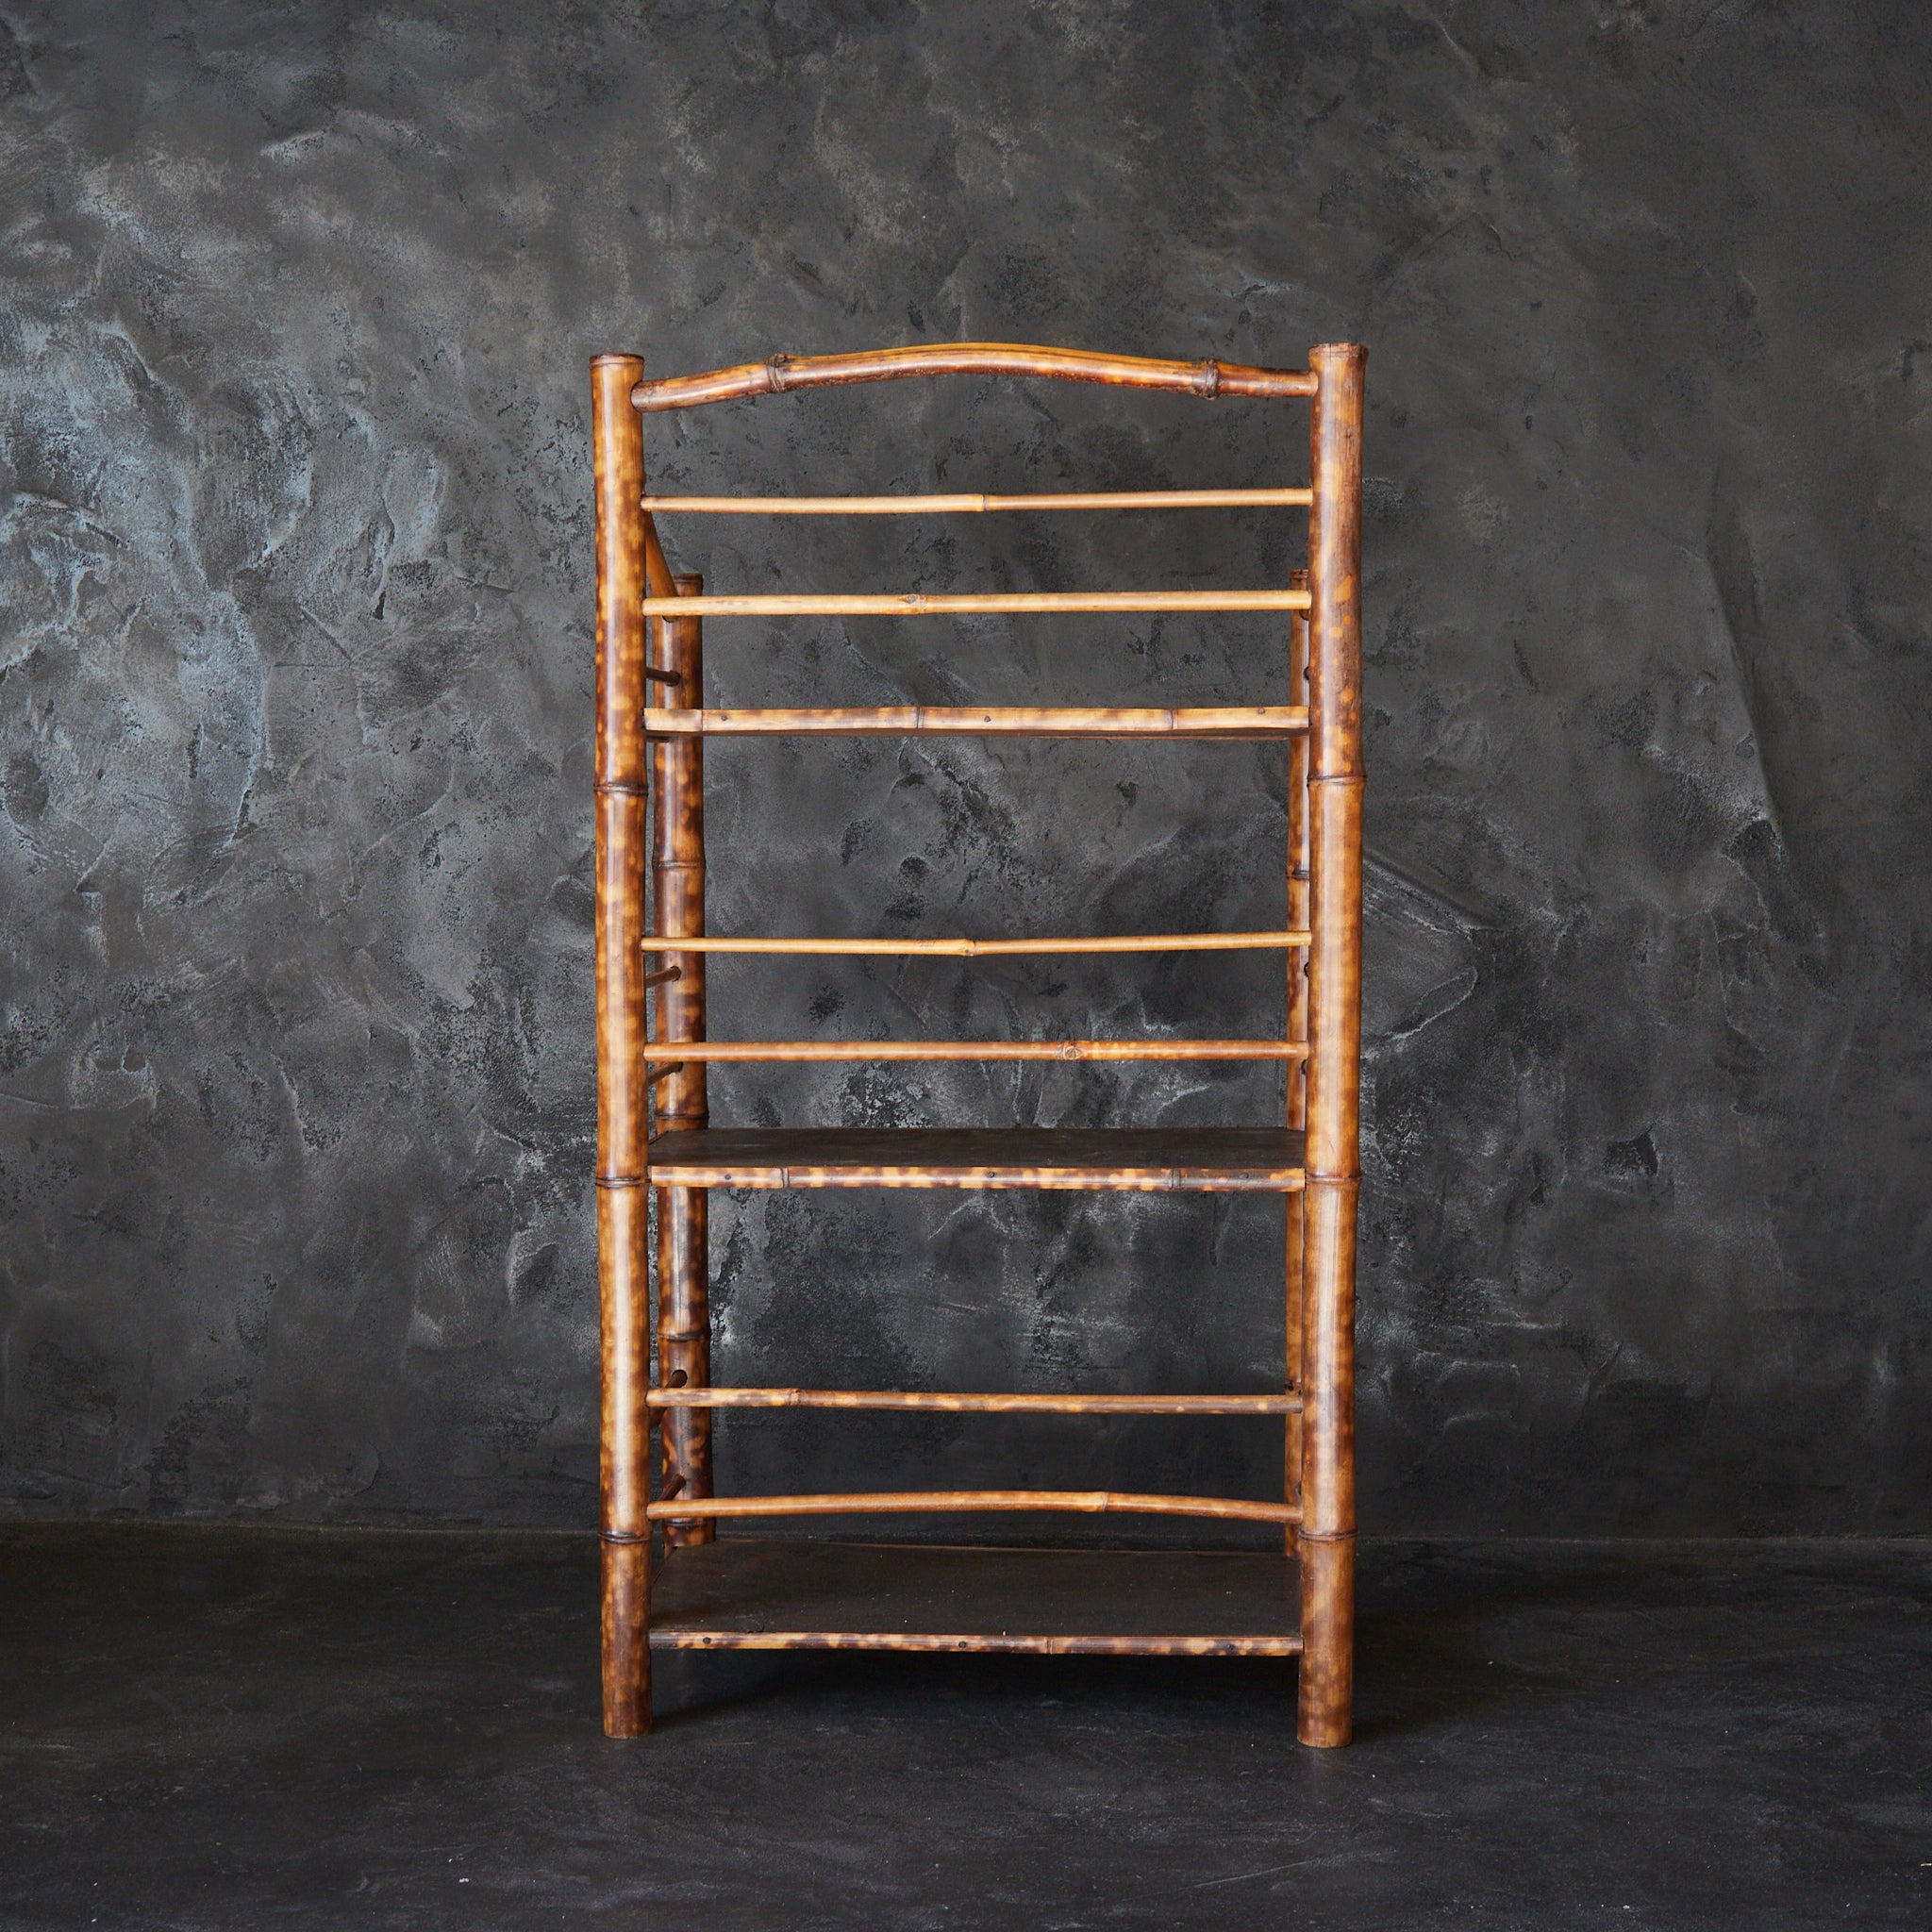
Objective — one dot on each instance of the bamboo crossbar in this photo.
(784, 372)
(977, 721)
(945, 1404)
(975, 505)
(945, 603)
(746, 1050)
(992, 949)
(915, 1502)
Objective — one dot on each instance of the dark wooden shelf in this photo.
(746, 1594)
(1192, 1160)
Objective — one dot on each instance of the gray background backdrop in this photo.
(295, 1073)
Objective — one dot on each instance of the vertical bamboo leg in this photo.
(678, 878)
(1297, 1026)
(1335, 827)
(623, 1282)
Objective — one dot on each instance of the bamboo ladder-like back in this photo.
(651, 725)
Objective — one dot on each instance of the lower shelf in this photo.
(741, 1594)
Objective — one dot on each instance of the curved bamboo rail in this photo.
(785, 372)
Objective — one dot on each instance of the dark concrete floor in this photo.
(221, 1728)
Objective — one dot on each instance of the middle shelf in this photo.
(1140, 1160)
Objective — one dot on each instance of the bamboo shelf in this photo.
(655, 1141)
(751, 1595)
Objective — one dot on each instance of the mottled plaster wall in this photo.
(296, 1068)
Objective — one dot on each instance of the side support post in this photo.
(1297, 1029)
(678, 889)
(1333, 1160)
(622, 1122)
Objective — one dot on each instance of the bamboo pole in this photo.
(979, 721)
(958, 505)
(948, 604)
(1333, 1159)
(948, 1403)
(678, 878)
(783, 373)
(1297, 1029)
(742, 1050)
(915, 1502)
(991, 949)
(622, 1122)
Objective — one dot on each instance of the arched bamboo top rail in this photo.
(785, 372)
(971, 505)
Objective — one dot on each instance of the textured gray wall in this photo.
(295, 1078)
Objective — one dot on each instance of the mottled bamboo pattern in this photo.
(655, 1141)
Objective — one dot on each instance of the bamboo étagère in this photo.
(658, 1155)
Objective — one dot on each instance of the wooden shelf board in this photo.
(747, 1594)
(1190, 1159)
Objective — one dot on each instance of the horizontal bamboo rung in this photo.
(973, 505)
(937, 604)
(913, 1502)
(973, 1405)
(744, 1050)
(993, 949)
(978, 720)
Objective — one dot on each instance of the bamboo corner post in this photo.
(677, 910)
(1295, 1099)
(656, 1146)
(622, 1114)
(1326, 1538)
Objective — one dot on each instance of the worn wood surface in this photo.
(969, 505)
(1188, 1159)
(741, 1593)
(1326, 1539)
(783, 373)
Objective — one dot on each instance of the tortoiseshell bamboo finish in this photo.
(651, 726)
(783, 373)
(677, 905)
(1326, 1538)
(623, 1121)
(1297, 1030)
